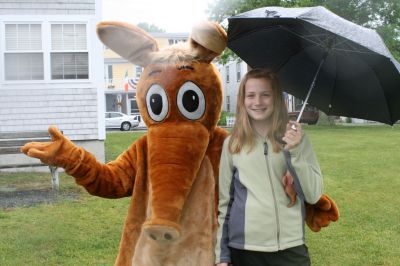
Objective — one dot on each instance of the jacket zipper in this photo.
(273, 194)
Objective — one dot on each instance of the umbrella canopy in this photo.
(353, 72)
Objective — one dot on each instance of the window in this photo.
(178, 40)
(69, 56)
(138, 71)
(23, 55)
(238, 71)
(227, 74)
(108, 76)
(109, 72)
(228, 103)
(298, 103)
(134, 106)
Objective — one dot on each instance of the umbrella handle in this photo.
(311, 88)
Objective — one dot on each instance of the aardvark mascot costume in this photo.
(171, 173)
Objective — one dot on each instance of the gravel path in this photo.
(28, 198)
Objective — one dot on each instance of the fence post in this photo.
(55, 182)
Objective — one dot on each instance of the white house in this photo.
(52, 69)
(231, 74)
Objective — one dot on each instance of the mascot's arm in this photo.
(318, 215)
(112, 180)
(321, 214)
(214, 154)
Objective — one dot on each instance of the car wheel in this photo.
(126, 126)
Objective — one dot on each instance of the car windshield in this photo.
(115, 115)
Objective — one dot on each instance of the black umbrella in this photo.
(347, 67)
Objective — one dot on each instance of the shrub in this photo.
(222, 119)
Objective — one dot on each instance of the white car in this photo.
(122, 121)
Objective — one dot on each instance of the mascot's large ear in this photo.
(208, 40)
(129, 41)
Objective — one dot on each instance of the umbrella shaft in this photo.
(311, 88)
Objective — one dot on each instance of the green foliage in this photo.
(227, 56)
(325, 120)
(222, 119)
(387, 32)
(149, 27)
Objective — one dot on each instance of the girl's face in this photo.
(258, 99)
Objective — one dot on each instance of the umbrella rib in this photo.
(352, 51)
(320, 43)
(303, 37)
(384, 96)
(343, 41)
(312, 34)
(352, 47)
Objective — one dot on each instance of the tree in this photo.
(381, 15)
(149, 27)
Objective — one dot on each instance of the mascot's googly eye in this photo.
(191, 101)
(157, 102)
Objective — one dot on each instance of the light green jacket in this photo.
(253, 212)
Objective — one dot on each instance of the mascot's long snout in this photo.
(175, 154)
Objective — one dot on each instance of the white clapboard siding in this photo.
(47, 7)
(72, 110)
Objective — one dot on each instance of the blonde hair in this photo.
(242, 132)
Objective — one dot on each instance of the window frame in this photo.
(238, 71)
(4, 51)
(228, 103)
(138, 72)
(46, 49)
(68, 51)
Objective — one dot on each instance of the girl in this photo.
(256, 227)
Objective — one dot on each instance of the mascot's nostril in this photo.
(153, 237)
(160, 233)
(167, 236)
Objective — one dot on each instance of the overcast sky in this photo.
(171, 15)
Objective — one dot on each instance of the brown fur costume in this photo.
(171, 173)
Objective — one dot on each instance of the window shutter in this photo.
(24, 66)
(64, 63)
(80, 31)
(68, 37)
(20, 60)
(11, 37)
(35, 37)
(57, 66)
(23, 37)
(69, 66)
(56, 37)
(82, 68)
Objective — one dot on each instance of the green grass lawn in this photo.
(361, 167)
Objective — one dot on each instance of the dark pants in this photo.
(296, 256)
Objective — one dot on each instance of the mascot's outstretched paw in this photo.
(60, 151)
(321, 213)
